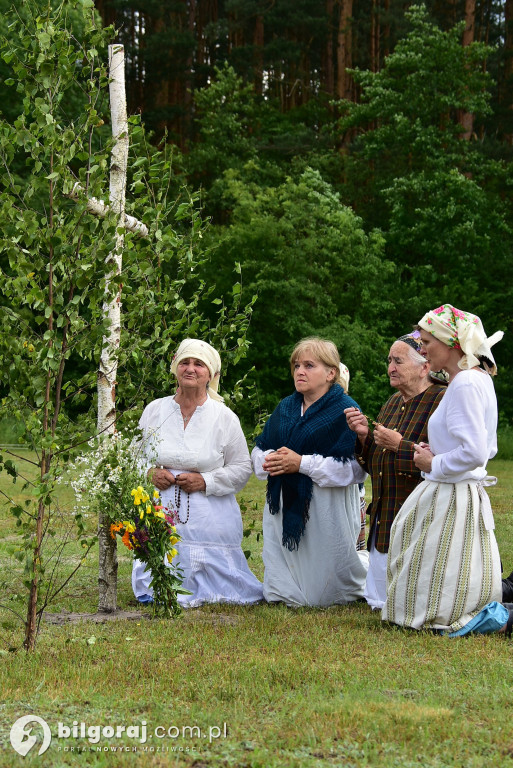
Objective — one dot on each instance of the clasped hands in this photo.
(423, 457)
(282, 462)
(383, 437)
(188, 481)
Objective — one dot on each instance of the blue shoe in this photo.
(145, 599)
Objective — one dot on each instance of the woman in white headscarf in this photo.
(198, 459)
(444, 569)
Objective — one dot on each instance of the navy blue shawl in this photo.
(322, 430)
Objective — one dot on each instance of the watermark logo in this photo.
(22, 739)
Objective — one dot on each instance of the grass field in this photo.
(257, 687)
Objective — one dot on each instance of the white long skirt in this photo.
(376, 584)
(326, 569)
(210, 554)
(443, 559)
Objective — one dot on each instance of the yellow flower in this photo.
(140, 495)
(173, 539)
(137, 496)
(171, 554)
(159, 513)
(148, 509)
(156, 494)
(130, 527)
(141, 514)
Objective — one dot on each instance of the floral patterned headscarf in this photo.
(413, 340)
(461, 330)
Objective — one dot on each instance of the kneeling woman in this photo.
(444, 569)
(202, 461)
(312, 515)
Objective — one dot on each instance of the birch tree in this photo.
(59, 271)
(107, 370)
(53, 262)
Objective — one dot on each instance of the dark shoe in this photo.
(509, 625)
(507, 589)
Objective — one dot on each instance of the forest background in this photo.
(352, 159)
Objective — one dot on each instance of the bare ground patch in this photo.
(69, 617)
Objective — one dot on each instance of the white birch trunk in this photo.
(101, 209)
(107, 371)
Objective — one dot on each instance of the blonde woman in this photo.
(312, 515)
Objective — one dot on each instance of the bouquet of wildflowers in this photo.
(107, 478)
(102, 478)
(151, 534)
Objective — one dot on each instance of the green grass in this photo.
(295, 687)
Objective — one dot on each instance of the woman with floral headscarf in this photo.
(198, 459)
(444, 569)
(386, 449)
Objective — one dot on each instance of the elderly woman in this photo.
(312, 515)
(444, 570)
(199, 461)
(386, 452)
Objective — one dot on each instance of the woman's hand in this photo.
(387, 438)
(423, 457)
(161, 478)
(282, 462)
(357, 421)
(190, 482)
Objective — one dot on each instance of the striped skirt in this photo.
(443, 559)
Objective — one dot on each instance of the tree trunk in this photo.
(44, 466)
(31, 623)
(344, 49)
(374, 51)
(258, 44)
(466, 119)
(507, 89)
(328, 67)
(386, 31)
(107, 372)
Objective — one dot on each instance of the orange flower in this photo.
(114, 528)
(126, 540)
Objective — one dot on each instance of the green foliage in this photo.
(164, 293)
(237, 131)
(408, 118)
(315, 271)
(443, 205)
(505, 441)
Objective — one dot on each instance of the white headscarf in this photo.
(208, 355)
(344, 376)
(461, 330)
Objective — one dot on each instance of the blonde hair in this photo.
(320, 349)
